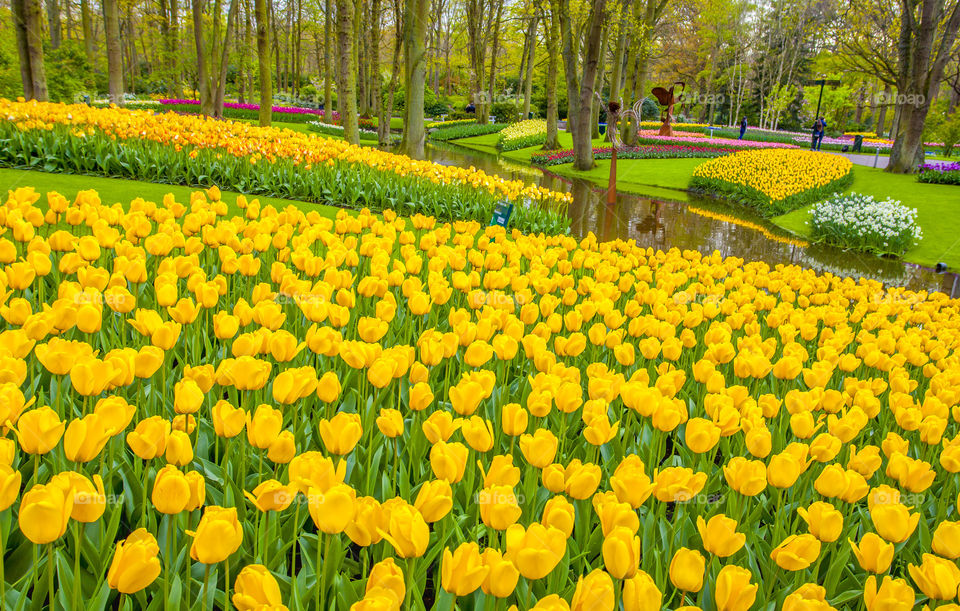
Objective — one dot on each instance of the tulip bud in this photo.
(874, 554)
(135, 563)
(720, 536)
(263, 426)
(45, 511)
(733, 590)
(341, 433)
(334, 509)
(796, 552)
(179, 450)
(594, 593)
(256, 588)
(9, 486)
(621, 553)
(407, 531)
(640, 593)
(39, 430)
(808, 597)
(270, 495)
(686, 570)
(936, 577)
(540, 448)
(892, 594)
(462, 571)
(218, 535)
(390, 423)
(448, 460)
(498, 507)
(536, 550)
(171, 491)
(149, 439)
(559, 513)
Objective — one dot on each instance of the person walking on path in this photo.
(743, 128)
(817, 134)
(823, 130)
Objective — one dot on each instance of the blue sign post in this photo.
(501, 214)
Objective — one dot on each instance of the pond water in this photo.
(702, 224)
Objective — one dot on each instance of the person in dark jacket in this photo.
(817, 134)
(743, 128)
(823, 130)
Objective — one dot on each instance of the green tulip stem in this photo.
(317, 569)
(50, 573)
(617, 591)
(167, 562)
(453, 602)
(226, 584)
(293, 551)
(323, 571)
(396, 462)
(188, 577)
(206, 578)
(411, 581)
(76, 567)
(3, 577)
(123, 600)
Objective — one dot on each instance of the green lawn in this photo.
(667, 178)
(938, 213)
(112, 190)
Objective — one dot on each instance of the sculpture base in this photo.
(666, 130)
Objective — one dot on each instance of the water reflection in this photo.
(701, 224)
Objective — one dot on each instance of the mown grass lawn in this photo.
(938, 213)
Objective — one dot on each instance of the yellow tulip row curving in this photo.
(257, 143)
(279, 410)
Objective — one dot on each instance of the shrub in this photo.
(860, 222)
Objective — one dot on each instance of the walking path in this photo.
(867, 160)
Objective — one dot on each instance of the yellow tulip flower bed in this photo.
(774, 181)
(378, 412)
(199, 151)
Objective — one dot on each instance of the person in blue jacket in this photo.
(743, 128)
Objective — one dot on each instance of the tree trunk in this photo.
(386, 110)
(221, 88)
(881, 109)
(528, 83)
(414, 34)
(476, 53)
(203, 77)
(580, 88)
(552, 34)
(921, 61)
(53, 21)
(495, 50)
(26, 38)
(347, 75)
(595, 104)
(374, 50)
(327, 64)
(263, 62)
(111, 20)
(86, 23)
(359, 52)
